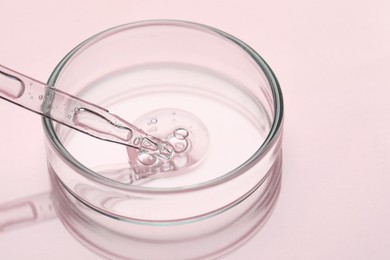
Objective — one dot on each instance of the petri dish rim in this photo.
(272, 137)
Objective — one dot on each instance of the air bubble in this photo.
(179, 145)
(146, 158)
(137, 141)
(181, 133)
(182, 150)
(152, 121)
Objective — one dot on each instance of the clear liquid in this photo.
(191, 110)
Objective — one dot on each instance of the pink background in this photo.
(332, 59)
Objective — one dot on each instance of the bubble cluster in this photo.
(185, 144)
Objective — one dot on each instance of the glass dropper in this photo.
(76, 113)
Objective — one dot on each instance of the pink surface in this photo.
(332, 59)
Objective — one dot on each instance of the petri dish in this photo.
(204, 91)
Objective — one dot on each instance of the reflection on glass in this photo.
(26, 211)
(116, 239)
(207, 238)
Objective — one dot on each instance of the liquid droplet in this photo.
(40, 97)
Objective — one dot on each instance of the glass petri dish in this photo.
(178, 81)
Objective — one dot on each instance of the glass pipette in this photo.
(76, 113)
